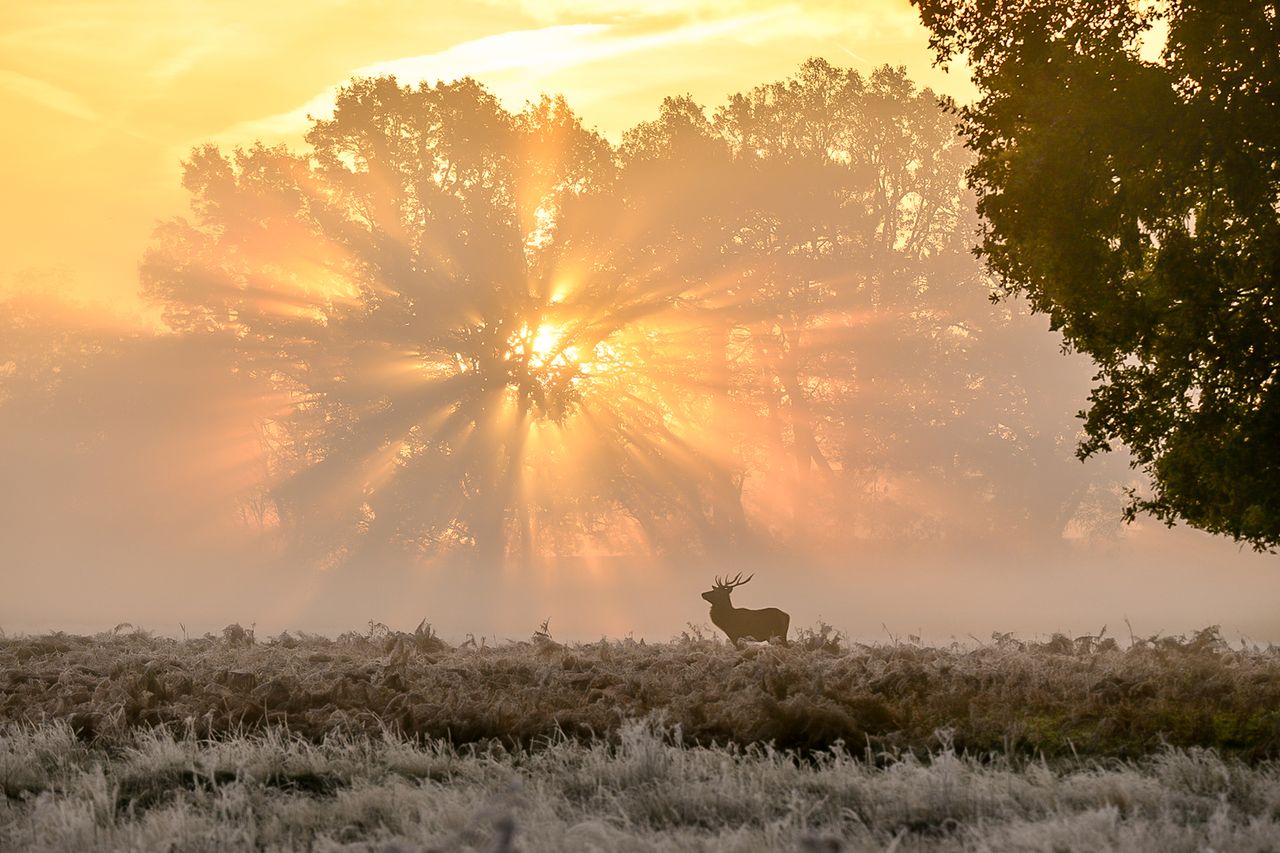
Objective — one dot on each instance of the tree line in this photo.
(453, 328)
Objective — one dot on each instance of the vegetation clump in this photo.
(642, 789)
(1083, 696)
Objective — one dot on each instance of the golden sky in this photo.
(103, 98)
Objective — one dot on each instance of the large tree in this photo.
(1136, 202)
(436, 289)
(490, 333)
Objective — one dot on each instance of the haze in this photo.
(144, 457)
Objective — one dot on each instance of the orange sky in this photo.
(103, 100)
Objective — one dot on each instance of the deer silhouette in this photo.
(738, 622)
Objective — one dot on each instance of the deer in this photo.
(738, 622)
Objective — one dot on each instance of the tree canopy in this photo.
(497, 333)
(1137, 203)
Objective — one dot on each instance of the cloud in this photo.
(558, 10)
(515, 64)
(874, 19)
(51, 96)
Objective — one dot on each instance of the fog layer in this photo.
(484, 368)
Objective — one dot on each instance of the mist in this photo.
(484, 368)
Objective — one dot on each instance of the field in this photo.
(382, 740)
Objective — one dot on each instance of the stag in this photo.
(738, 622)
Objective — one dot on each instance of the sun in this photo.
(546, 368)
(548, 347)
(542, 347)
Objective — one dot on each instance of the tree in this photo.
(495, 334)
(1137, 203)
(435, 289)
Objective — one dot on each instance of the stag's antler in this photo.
(736, 582)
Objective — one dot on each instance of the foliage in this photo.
(1137, 203)
(1083, 696)
(643, 790)
(384, 739)
(496, 333)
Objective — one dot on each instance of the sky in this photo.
(104, 100)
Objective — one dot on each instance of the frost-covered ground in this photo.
(644, 791)
(394, 741)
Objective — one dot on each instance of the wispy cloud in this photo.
(47, 94)
(532, 56)
(558, 10)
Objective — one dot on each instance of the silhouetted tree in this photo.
(1137, 203)
(411, 287)
(494, 333)
(860, 306)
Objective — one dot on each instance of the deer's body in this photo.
(739, 622)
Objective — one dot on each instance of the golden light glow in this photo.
(549, 368)
(543, 346)
(110, 97)
(546, 347)
(585, 383)
(550, 347)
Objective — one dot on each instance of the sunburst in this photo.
(498, 333)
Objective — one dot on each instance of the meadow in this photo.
(386, 740)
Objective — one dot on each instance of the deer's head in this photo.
(718, 595)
